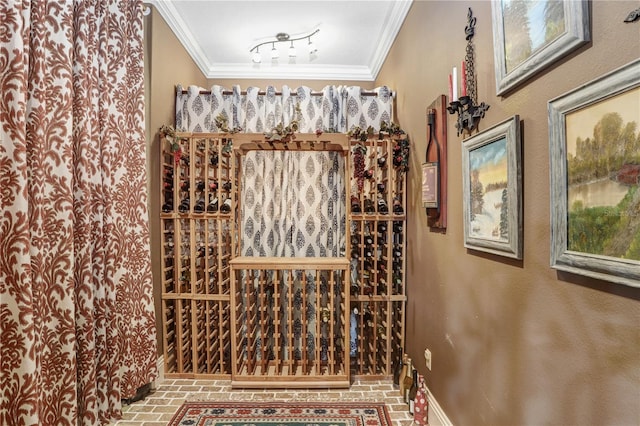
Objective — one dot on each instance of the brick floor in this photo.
(158, 407)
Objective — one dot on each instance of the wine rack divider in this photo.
(200, 287)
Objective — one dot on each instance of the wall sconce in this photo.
(256, 57)
(469, 113)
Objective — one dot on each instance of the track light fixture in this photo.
(283, 38)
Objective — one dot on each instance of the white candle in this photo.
(455, 84)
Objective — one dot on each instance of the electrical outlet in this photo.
(427, 358)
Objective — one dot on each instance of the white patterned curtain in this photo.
(293, 204)
(333, 109)
(76, 307)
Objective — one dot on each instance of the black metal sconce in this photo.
(469, 113)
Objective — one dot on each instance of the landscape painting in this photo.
(531, 35)
(594, 161)
(529, 25)
(492, 189)
(603, 175)
(488, 191)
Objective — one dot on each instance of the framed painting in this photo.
(530, 35)
(492, 189)
(594, 147)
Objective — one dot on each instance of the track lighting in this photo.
(284, 38)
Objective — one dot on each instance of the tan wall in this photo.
(513, 342)
(167, 64)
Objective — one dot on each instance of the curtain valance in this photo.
(334, 108)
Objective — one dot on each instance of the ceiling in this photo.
(353, 40)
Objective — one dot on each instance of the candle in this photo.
(455, 84)
(463, 79)
(450, 89)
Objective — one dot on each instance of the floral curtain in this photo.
(335, 108)
(76, 310)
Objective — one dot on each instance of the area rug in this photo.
(254, 413)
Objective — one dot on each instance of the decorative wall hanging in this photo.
(464, 104)
(633, 16)
(492, 190)
(595, 175)
(435, 198)
(530, 35)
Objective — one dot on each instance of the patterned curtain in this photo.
(293, 204)
(76, 310)
(335, 108)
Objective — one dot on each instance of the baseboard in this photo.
(437, 416)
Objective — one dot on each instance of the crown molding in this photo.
(399, 10)
(290, 71)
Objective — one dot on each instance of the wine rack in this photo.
(198, 242)
(377, 255)
(291, 315)
(219, 311)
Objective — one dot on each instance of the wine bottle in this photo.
(353, 334)
(368, 206)
(413, 391)
(382, 227)
(421, 407)
(184, 185)
(382, 286)
(226, 206)
(167, 207)
(212, 207)
(397, 155)
(213, 159)
(397, 369)
(382, 206)
(200, 186)
(397, 206)
(355, 205)
(403, 374)
(199, 206)
(381, 188)
(227, 186)
(184, 205)
(382, 161)
(368, 174)
(368, 239)
(408, 380)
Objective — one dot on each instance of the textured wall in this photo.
(513, 342)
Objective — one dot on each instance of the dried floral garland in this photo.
(169, 134)
(284, 133)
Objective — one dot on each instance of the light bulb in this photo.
(312, 46)
(257, 58)
(274, 52)
(292, 51)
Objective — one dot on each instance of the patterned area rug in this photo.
(252, 413)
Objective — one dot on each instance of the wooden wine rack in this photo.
(198, 243)
(214, 326)
(291, 315)
(376, 249)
